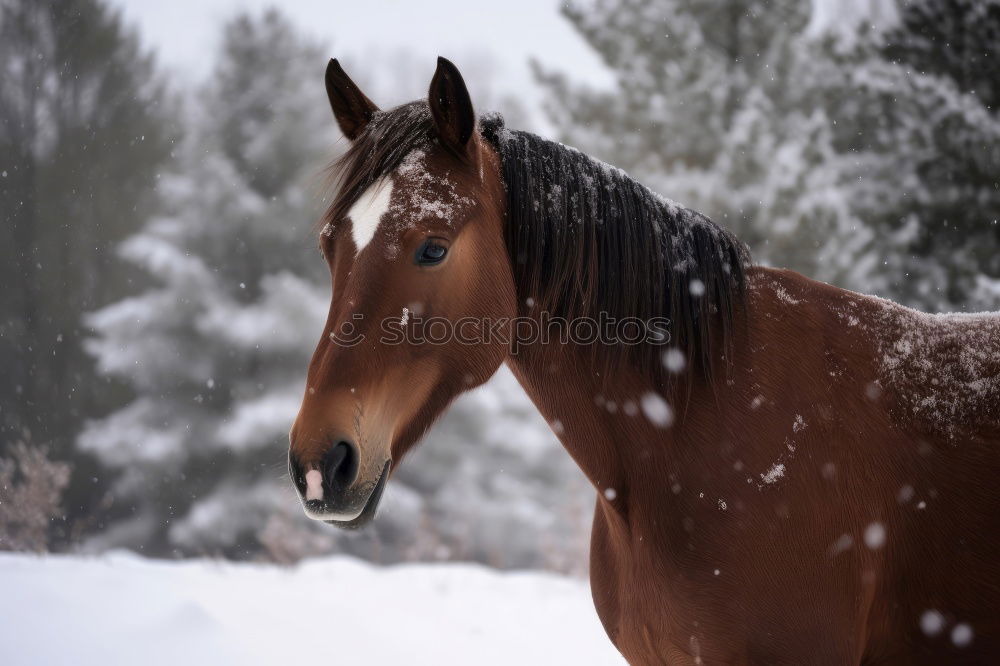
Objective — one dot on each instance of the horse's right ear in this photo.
(451, 107)
(350, 106)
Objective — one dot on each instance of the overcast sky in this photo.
(185, 34)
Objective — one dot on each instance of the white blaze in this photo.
(367, 211)
(314, 485)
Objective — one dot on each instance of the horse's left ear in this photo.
(451, 107)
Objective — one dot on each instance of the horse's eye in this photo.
(430, 253)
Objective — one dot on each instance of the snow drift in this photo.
(122, 609)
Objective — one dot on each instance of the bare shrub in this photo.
(31, 487)
(288, 539)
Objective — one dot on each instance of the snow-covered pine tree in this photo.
(719, 104)
(216, 350)
(927, 111)
(85, 127)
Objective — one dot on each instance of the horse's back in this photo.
(944, 370)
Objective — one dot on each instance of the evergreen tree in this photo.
(859, 155)
(716, 106)
(83, 134)
(215, 350)
(929, 96)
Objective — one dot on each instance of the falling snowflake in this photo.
(875, 535)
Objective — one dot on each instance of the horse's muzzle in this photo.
(330, 489)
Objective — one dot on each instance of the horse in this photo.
(786, 472)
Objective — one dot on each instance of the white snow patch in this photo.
(772, 475)
(784, 296)
(420, 203)
(799, 424)
(123, 610)
(947, 362)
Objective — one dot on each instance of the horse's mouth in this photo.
(371, 505)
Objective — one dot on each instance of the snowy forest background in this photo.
(162, 289)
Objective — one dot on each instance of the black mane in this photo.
(583, 237)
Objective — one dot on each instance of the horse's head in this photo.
(414, 242)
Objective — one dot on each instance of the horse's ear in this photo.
(350, 106)
(451, 107)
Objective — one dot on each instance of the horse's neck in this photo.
(620, 433)
(655, 459)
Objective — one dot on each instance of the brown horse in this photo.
(787, 472)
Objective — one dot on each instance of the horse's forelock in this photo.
(378, 151)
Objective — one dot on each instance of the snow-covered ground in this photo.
(122, 609)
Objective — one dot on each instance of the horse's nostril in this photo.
(319, 484)
(340, 466)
